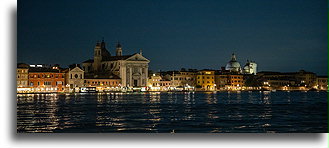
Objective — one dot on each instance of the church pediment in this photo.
(137, 57)
(76, 69)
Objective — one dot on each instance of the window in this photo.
(76, 76)
(71, 76)
(47, 83)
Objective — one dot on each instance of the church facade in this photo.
(131, 69)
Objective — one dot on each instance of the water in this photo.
(173, 112)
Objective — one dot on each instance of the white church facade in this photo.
(131, 69)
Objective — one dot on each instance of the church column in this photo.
(146, 75)
(123, 75)
(130, 76)
(141, 76)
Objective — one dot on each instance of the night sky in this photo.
(280, 35)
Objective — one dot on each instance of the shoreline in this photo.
(218, 91)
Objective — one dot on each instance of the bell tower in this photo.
(233, 58)
(118, 50)
(97, 57)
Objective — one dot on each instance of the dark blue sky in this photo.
(280, 35)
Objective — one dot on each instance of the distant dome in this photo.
(246, 68)
(233, 65)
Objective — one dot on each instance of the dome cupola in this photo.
(233, 65)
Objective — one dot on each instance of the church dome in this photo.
(246, 69)
(233, 64)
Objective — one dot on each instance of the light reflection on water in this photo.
(179, 112)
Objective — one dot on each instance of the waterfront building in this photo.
(229, 81)
(308, 79)
(74, 79)
(104, 84)
(176, 80)
(131, 69)
(250, 68)
(234, 82)
(42, 79)
(157, 83)
(221, 81)
(322, 83)
(181, 80)
(22, 75)
(206, 80)
(233, 65)
(301, 80)
(188, 79)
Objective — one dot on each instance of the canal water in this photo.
(182, 112)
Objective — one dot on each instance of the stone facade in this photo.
(131, 69)
(74, 79)
(22, 74)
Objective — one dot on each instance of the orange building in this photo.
(235, 82)
(206, 80)
(46, 80)
(229, 81)
(105, 84)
